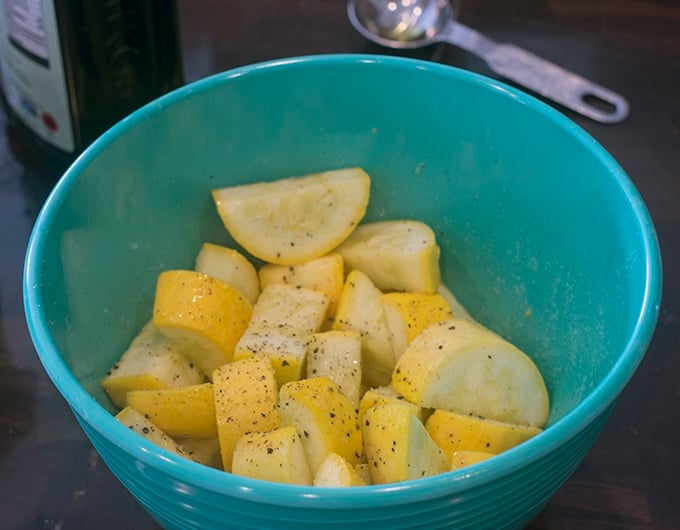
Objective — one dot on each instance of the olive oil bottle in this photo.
(72, 68)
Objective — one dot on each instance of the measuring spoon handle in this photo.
(554, 82)
(541, 76)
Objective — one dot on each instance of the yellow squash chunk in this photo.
(324, 417)
(276, 456)
(461, 366)
(137, 423)
(281, 305)
(151, 361)
(283, 319)
(187, 411)
(295, 219)
(400, 255)
(230, 266)
(467, 458)
(202, 314)
(398, 447)
(361, 309)
(409, 313)
(245, 401)
(453, 432)
(285, 348)
(204, 451)
(337, 355)
(336, 472)
(325, 274)
(382, 395)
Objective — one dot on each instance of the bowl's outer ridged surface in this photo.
(508, 503)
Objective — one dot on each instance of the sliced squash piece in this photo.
(325, 274)
(337, 355)
(408, 314)
(361, 309)
(151, 361)
(136, 422)
(246, 398)
(203, 315)
(453, 432)
(382, 395)
(336, 472)
(276, 456)
(230, 266)
(283, 319)
(324, 417)
(185, 412)
(461, 366)
(295, 219)
(398, 447)
(399, 255)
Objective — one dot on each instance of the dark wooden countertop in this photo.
(50, 477)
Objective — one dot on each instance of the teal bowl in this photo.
(544, 239)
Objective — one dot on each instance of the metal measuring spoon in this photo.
(409, 24)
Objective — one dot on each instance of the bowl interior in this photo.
(543, 237)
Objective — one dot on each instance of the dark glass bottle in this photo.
(72, 68)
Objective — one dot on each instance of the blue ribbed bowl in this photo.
(544, 239)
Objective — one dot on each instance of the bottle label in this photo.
(32, 70)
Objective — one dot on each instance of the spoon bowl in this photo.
(402, 26)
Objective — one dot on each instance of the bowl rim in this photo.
(86, 408)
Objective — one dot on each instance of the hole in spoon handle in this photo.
(556, 83)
